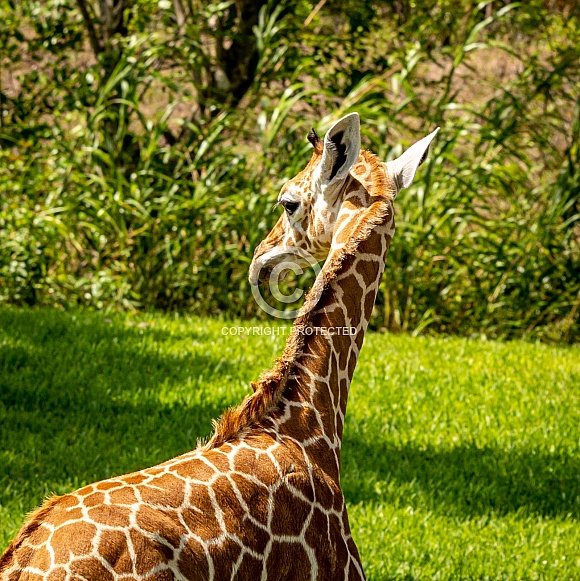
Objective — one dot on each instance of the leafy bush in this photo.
(128, 180)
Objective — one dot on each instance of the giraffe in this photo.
(262, 498)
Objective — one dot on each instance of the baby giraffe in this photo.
(262, 499)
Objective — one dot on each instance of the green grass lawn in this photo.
(461, 457)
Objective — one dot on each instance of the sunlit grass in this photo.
(461, 457)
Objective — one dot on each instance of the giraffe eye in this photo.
(289, 206)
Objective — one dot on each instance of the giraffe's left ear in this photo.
(403, 169)
(341, 149)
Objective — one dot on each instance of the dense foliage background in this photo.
(143, 142)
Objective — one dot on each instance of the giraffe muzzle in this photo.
(264, 274)
(259, 272)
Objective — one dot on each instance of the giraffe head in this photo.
(312, 200)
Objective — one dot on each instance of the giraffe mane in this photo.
(269, 388)
(33, 521)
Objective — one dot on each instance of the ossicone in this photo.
(315, 140)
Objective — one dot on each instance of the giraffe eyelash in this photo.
(290, 206)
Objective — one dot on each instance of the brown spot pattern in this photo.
(257, 498)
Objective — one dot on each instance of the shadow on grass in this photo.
(79, 402)
(464, 481)
(82, 399)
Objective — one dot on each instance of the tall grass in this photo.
(99, 209)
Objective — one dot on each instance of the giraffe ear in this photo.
(403, 169)
(341, 149)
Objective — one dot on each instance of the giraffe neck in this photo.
(332, 327)
(303, 397)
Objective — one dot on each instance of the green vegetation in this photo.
(142, 145)
(461, 456)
